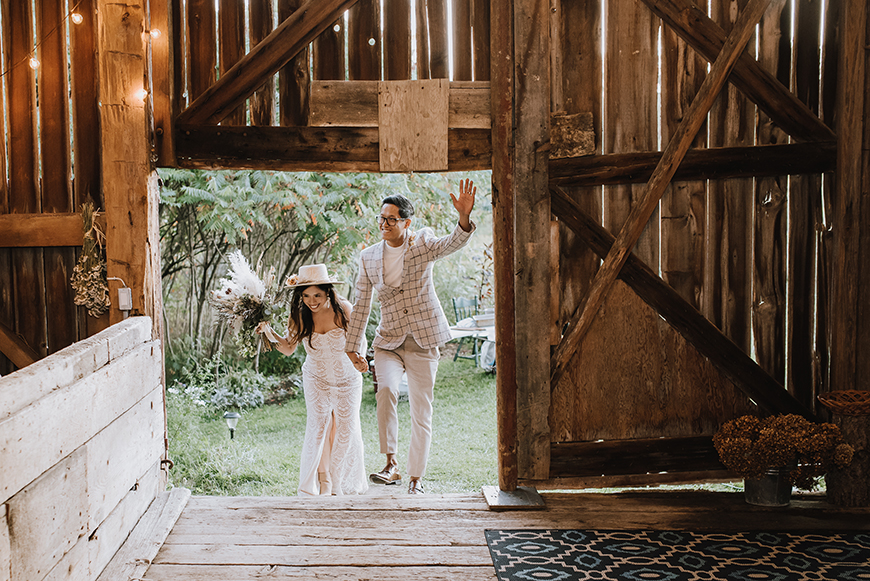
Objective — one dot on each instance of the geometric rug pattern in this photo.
(563, 555)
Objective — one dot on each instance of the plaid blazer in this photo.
(412, 308)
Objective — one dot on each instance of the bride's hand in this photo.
(262, 327)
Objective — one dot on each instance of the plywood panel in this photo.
(412, 117)
(46, 518)
(66, 419)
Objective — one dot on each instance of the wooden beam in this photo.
(708, 38)
(13, 346)
(658, 183)
(503, 192)
(43, 230)
(683, 317)
(698, 164)
(264, 60)
(311, 148)
(639, 456)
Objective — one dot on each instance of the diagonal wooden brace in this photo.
(703, 335)
(264, 60)
(658, 183)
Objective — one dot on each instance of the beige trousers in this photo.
(421, 365)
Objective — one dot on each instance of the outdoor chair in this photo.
(465, 308)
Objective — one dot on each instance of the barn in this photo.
(678, 193)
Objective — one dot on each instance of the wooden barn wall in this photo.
(751, 254)
(211, 36)
(49, 166)
(70, 489)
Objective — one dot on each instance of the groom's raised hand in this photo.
(465, 202)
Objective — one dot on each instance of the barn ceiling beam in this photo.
(658, 183)
(706, 37)
(699, 164)
(264, 60)
(703, 335)
(13, 346)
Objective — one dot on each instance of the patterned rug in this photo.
(562, 555)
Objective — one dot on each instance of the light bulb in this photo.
(336, 28)
(34, 63)
(155, 33)
(371, 42)
(143, 94)
(76, 18)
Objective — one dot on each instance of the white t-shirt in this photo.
(394, 261)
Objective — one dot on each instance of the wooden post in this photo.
(129, 186)
(502, 104)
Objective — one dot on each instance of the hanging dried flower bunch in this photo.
(89, 275)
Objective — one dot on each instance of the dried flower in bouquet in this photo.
(89, 274)
(244, 300)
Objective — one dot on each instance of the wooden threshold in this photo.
(396, 536)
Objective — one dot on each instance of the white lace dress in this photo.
(333, 389)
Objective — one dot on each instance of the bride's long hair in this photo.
(301, 324)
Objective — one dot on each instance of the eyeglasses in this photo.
(389, 220)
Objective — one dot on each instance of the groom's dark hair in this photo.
(406, 208)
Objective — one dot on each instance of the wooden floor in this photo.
(392, 536)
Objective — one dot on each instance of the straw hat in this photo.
(311, 274)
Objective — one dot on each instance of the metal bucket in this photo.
(772, 489)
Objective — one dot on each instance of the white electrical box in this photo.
(125, 299)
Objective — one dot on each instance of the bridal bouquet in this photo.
(244, 300)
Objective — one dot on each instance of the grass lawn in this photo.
(263, 458)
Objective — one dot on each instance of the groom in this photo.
(412, 324)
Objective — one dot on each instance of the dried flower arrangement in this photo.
(89, 274)
(750, 446)
(244, 300)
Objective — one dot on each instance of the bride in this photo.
(332, 452)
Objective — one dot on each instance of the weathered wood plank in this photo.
(708, 38)
(147, 537)
(336, 573)
(113, 531)
(111, 469)
(462, 63)
(364, 41)
(231, 44)
(163, 77)
(359, 556)
(439, 41)
(65, 419)
(850, 273)
(355, 104)
(46, 517)
(503, 194)
(412, 125)
(311, 148)
(86, 142)
(480, 41)
(711, 163)
(579, 91)
(62, 330)
(421, 40)
(23, 174)
(54, 143)
(697, 330)
(397, 40)
(294, 78)
(261, 24)
(531, 112)
(671, 158)
(264, 60)
(56, 371)
(42, 230)
(202, 48)
(328, 53)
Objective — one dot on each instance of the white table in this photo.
(469, 328)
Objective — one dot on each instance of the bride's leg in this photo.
(323, 474)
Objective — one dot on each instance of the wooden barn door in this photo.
(683, 239)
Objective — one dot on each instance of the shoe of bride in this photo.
(325, 482)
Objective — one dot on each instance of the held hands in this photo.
(359, 362)
(465, 202)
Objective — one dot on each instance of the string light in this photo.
(155, 33)
(31, 59)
